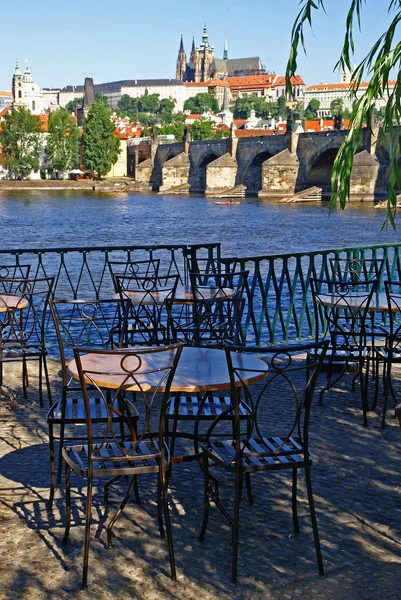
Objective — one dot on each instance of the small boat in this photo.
(227, 202)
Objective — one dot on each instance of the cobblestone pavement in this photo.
(357, 487)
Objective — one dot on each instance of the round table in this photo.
(182, 295)
(378, 303)
(199, 369)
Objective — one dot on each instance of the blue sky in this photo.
(124, 39)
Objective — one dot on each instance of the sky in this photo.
(64, 40)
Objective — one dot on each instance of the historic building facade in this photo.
(26, 92)
(203, 66)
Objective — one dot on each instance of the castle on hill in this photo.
(203, 65)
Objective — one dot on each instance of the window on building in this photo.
(33, 105)
(19, 94)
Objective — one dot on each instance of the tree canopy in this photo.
(147, 108)
(21, 142)
(202, 129)
(72, 105)
(201, 103)
(100, 147)
(376, 67)
(62, 148)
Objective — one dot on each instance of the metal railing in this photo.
(279, 305)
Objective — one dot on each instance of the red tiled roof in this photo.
(295, 80)
(251, 80)
(194, 116)
(44, 122)
(8, 94)
(4, 112)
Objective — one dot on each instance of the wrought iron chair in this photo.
(146, 371)
(214, 324)
(23, 330)
(218, 286)
(95, 323)
(148, 320)
(390, 353)
(210, 266)
(341, 310)
(131, 268)
(354, 270)
(279, 439)
(14, 271)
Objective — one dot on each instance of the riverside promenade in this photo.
(357, 487)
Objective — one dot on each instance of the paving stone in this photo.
(356, 480)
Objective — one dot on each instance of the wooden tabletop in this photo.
(377, 304)
(10, 302)
(199, 369)
(183, 294)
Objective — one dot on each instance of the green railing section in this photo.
(279, 305)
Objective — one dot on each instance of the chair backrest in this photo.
(145, 371)
(393, 294)
(210, 323)
(95, 323)
(355, 270)
(14, 271)
(148, 313)
(209, 266)
(282, 403)
(137, 268)
(217, 286)
(341, 310)
(24, 323)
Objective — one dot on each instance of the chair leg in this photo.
(25, 382)
(364, 394)
(237, 501)
(52, 474)
(40, 382)
(314, 520)
(160, 509)
(106, 488)
(206, 500)
(294, 500)
(331, 383)
(88, 518)
(60, 452)
(163, 483)
(47, 379)
(387, 387)
(67, 503)
(110, 526)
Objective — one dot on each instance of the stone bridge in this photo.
(274, 165)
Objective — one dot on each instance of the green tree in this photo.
(311, 109)
(337, 107)
(201, 103)
(72, 105)
(21, 142)
(99, 97)
(376, 67)
(165, 110)
(62, 148)
(201, 129)
(243, 107)
(128, 107)
(282, 107)
(149, 103)
(100, 147)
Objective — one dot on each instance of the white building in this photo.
(26, 92)
(325, 93)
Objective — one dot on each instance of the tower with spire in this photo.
(204, 56)
(180, 72)
(225, 53)
(25, 92)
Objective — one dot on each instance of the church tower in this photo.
(181, 63)
(17, 87)
(204, 56)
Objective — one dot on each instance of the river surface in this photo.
(42, 219)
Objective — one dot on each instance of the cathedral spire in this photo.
(225, 53)
(205, 38)
(181, 50)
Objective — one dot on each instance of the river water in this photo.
(42, 219)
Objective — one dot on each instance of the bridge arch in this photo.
(254, 172)
(321, 166)
(206, 160)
